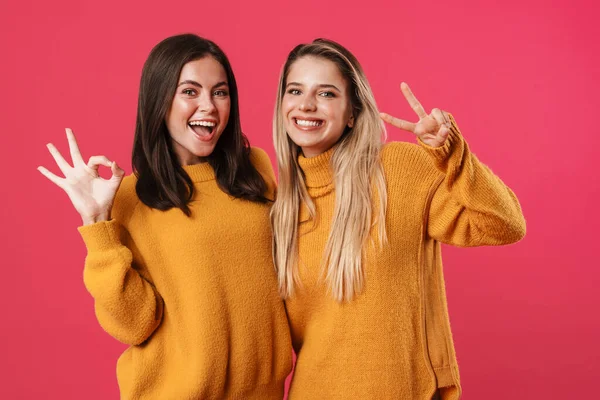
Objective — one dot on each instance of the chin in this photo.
(304, 140)
(204, 152)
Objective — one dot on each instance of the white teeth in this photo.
(203, 123)
(303, 122)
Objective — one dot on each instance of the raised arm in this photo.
(127, 305)
(471, 206)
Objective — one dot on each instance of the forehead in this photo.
(204, 70)
(311, 70)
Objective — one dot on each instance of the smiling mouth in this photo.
(308, 123)
(203, 129)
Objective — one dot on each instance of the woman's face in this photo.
(200, 109)
(316, 105)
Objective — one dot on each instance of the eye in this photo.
(189, 92)
(220, 93)
(327, 94)
(294, 92)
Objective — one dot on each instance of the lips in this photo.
(308, 124)
(203, 129)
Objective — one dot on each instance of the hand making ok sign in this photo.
(91, 195)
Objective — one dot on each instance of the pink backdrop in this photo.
(521, 79)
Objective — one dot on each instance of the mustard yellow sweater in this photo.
(393, 341)
(195, 297)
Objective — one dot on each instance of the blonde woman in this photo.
(357, 230)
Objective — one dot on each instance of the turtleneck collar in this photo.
(200, 172)
(317, 170)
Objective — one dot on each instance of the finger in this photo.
(447, 118)
(398, 123)
(412, 100)
(96, 161)
(55, 179)
(74, 148)
(60, 161)
(116, 170)
(439, 117)
(443, 134)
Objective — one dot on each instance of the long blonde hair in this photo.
(360, 189)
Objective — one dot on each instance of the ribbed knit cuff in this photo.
(442, 154)
(101, 235)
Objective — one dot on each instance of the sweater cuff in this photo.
(101, 235)
(441, 155)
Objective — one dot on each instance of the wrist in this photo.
(93, 219)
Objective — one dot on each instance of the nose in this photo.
(206, 104)
(307, 104)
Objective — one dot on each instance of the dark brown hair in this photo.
(162, 182)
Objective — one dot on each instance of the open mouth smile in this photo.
(204, 130)
(308, 123)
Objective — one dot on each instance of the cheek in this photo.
(172, 117)
(331, 112)
(287, 105)
(225, 110)
(339, 113)
(181, 109)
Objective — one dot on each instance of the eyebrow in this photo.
(322, 86)
(194, 83)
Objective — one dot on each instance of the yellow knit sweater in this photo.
(393, 341)
(195, 297)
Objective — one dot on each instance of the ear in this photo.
(351, 122)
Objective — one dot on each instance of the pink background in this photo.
(521, 79)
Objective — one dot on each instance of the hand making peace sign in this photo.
(91, 194)
(432, 129)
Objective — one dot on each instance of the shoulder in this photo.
(408, 155)
(261, 161)
(407, 162)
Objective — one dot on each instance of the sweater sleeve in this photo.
(127, 305)
(471, 206)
